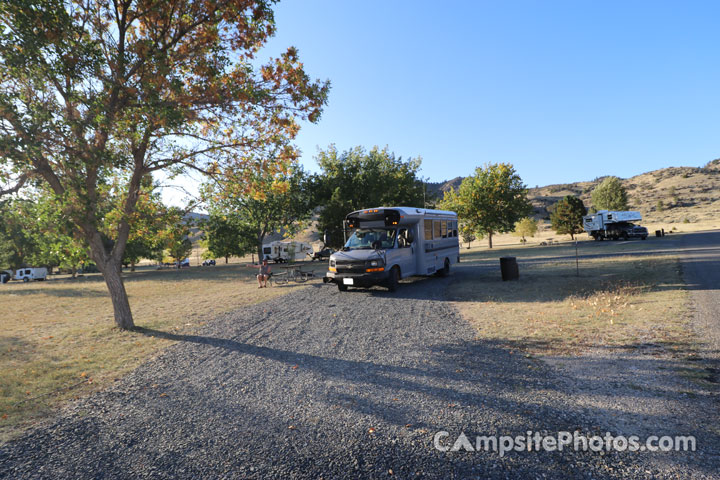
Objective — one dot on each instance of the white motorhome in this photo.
(614, 225)
(27, 274)
(390, 243)
(286, 251)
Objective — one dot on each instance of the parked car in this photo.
(208, 263)
(184, 263)
(321, 255)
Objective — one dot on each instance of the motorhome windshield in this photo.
(371, 238)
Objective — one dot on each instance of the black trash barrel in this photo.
(509, 268)
(658, 233)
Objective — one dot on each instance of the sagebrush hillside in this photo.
(673, 195)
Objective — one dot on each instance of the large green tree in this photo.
(567, 216)
(490, 201)
(93, 90)
(35, 233)
(17, 244)
(610, 195)
(358, 178)
(227, 236)
(260, 203)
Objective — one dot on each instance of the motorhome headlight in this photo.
(332, 262)
(378, 262)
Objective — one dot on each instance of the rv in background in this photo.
(286, 251)
(614, 225)
(27, 274)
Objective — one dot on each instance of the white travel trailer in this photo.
(390, 243)
(27, 274)
(286, 251)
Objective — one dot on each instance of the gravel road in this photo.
(322, 384)
(700, 256)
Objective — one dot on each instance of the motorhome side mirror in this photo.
(326, 237)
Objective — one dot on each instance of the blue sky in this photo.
(564, 90)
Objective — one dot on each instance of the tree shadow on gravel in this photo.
(468, 377)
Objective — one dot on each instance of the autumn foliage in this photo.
(107, 92)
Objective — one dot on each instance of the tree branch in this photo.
(20, 183)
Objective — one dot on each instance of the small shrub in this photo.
(687, 220)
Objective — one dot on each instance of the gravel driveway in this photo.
(322, 384)
(701, 268)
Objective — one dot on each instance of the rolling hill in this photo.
(673, 195)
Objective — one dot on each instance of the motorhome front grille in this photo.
(350, 267)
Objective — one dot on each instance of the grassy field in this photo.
(59, 342)
(620, 300)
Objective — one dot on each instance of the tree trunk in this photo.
(260, 238)
(226, 260)
(121, 305)
(132, 266)
(490, 234)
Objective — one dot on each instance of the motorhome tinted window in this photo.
(370, 238)
(443, 228)
(437, 231)
(428, 230)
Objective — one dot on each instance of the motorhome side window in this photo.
(428, 229)
(444, 229)
(437, 229)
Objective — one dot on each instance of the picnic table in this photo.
(292, 272)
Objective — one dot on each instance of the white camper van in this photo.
(390, 243)
(27, 274)
(286, 251)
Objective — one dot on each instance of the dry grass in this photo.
(618, 301)
(59, 342)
